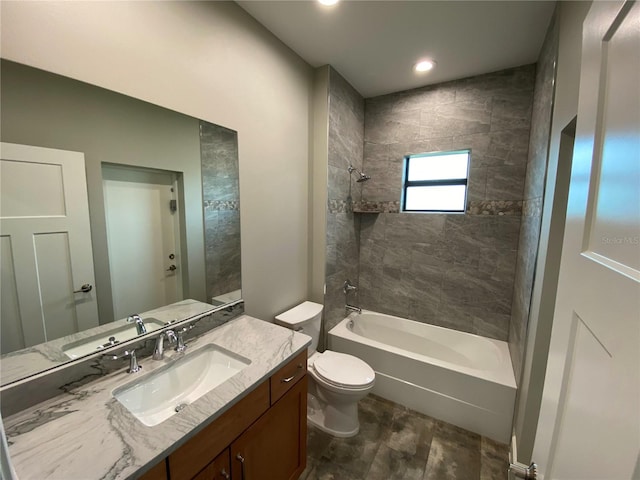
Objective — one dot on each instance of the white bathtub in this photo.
(454, 376)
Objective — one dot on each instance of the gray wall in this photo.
(191, 57)
(221, 203)
(533, 193)
(451, 270)
(345, 145)
(47, 110)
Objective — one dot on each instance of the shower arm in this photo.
(361, 176)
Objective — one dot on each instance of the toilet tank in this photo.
(305, 318)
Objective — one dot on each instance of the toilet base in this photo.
(316, 417)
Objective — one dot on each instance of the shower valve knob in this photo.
(348, 287)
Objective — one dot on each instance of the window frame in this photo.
(406, 183)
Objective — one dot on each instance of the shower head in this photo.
(361, 176)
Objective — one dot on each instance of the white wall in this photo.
(318, 182)
(571, 17)
(210, 60)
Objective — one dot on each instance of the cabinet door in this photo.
(219, 469)
(275, 446)
(198, 452)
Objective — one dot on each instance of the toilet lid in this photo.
(343, 370)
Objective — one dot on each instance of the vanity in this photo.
(264, 432)
(252, 425)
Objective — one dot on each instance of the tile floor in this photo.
(396, 443)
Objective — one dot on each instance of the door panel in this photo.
(141, 231)
(589, 425)
(18, 185)
(46, 251)
(11, 329)
(615, 194)
(53, 267)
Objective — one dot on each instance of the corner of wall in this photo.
(318, 158)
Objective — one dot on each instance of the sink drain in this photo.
(181, 407)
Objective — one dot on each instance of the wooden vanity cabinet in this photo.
(158, 472)
(267, 428)
(274, 447)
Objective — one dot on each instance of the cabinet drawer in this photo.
(197, 453)
(219, 469)
(288, 376)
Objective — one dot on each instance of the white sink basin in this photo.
(154, 398)
(100, 341)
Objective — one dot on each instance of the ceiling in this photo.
(374, 44)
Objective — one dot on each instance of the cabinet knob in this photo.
(224, 474)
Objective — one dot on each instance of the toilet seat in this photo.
(343, 371)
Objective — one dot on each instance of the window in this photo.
(435, 182)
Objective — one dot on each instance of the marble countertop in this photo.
(86, 433)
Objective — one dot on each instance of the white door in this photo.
(589, 425)
(142, 235)
(45, 246)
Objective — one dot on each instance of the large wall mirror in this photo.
(110, 207)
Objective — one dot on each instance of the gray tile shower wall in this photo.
(221, 202)
(346, 140)
(451, 270)
(533, 194)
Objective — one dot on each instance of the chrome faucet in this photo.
(133, 360)
(346, 288)
(140, 328)
(352, 308)
(158, 350)
(181, 346)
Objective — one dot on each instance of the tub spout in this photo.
(352, 308)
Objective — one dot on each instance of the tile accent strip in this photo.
(222, 205)
(477, 207)
(495, 207)
(340, 206)
(376, 207)
(533, 207)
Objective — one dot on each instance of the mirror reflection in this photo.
(110, 206)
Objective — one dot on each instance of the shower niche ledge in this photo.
(365, 206)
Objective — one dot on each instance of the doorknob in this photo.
(171, 268)
(86, 288)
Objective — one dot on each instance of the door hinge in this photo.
(521, 471)
(173, 205)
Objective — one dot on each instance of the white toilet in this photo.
(337, 380)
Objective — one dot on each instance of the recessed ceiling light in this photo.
(328, 3)
(424, 65)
